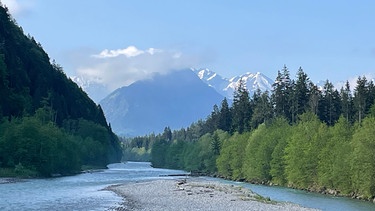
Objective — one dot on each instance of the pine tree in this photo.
(360, 95)
(281, 94)
(212, 122)
(167, 134)
(301, 93)
(329, 110)
(242, 111)
(262, 108)
(347, 102)
(225, 118)
(315, 96)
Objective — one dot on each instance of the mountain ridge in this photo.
(176, 99)
(227, 87)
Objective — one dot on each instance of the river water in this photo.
(84, 191)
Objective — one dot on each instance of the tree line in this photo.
(299, 135)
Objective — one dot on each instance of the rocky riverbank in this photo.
(9, 180)
(193, 194)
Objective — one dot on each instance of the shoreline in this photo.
(193, 194)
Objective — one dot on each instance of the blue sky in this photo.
(116, 42)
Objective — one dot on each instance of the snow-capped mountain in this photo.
(176, 99)
(226, 87)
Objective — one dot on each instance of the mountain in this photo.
(226, 87)
(175, 99)
(48, 124)
(97, 91)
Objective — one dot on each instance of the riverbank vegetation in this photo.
(48, 125)
(300, 135)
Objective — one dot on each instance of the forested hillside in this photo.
(48, 125)
(299, 136)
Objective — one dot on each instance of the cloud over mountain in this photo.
(130, 51)
(121, 67)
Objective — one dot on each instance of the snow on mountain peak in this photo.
(226, 87)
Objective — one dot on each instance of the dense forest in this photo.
(299, 135)
(48, 125)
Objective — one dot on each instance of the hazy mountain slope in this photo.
(176, 99)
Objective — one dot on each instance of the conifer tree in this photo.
(301, 93)
(262, 108)
(330, 101)
(347, 102)
(281, 93)
(242, 111)
(225, 118)
(360, 95)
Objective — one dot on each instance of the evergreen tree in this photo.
(225, 118)
(360, 96)
(262, 108)
(167, 134)
(315, 97)
(215, 144)
(301, 93)
(241, 109)
(212, 122)
(329, 109)
(347, 102)
(281, 94)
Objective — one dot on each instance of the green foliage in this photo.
(302, 137)
(279, 130)
(137, 154)
(158, 152)
(302, 151)
(363, 160)
(38, 101)
(46, 149)
(258, 155)
(231, 158)
(32, 145)
(335, 168)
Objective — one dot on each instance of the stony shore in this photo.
(193, 194)
(6, 180)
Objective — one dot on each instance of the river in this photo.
(84, 191)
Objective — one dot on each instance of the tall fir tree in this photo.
(225, 117)
(281, 94)
(347, 102)
(329, 109)
(360, 95)
(301, 94)
(241, 109)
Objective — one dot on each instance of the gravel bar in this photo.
(193, 194)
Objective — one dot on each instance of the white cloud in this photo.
(121, 67)
(17, 7)
(130, 51)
